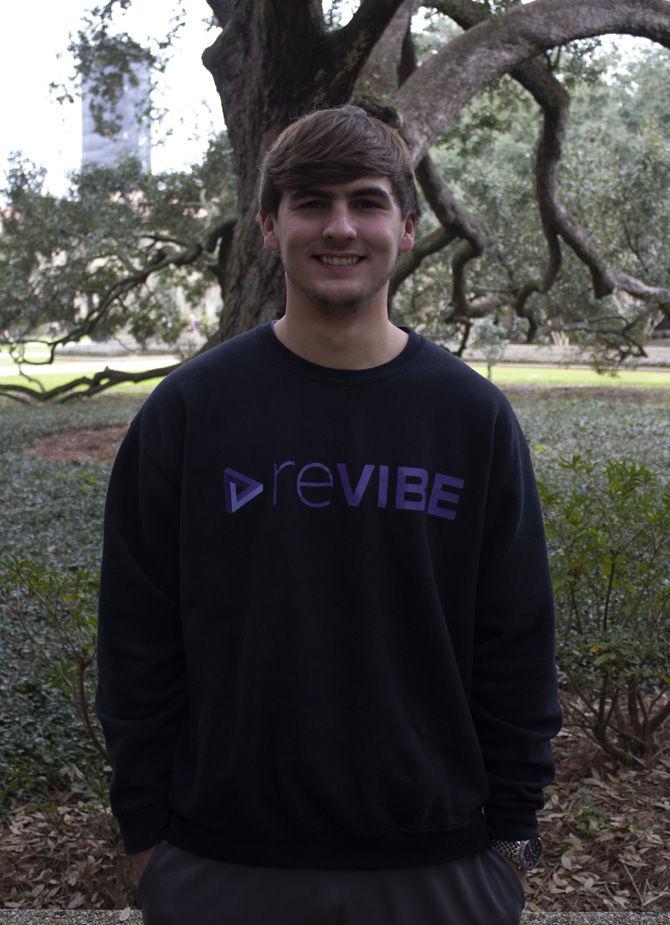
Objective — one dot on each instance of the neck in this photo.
(341, 343)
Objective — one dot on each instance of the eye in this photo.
(366, 204)
(311, 204)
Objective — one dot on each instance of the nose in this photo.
(339, 223)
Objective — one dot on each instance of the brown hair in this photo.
(333, 146)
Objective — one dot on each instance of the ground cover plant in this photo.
(59, 847)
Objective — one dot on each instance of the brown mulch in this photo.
(606, 845)
(604, 828)
(84, 445)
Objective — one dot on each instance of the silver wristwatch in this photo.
(525, 855)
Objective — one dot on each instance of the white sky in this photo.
(33, 52)
(34, 35)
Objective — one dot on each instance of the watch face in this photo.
(531, 853)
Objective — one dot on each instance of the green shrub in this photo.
(608, 536)
(57, 613)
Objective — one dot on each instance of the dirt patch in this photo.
(85, 445)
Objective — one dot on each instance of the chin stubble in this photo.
(347, 306)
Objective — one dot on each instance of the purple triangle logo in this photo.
(239, 489)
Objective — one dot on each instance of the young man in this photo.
(326, 671)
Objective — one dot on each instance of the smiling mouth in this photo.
(338, 261)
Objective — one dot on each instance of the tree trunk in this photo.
(274, 61)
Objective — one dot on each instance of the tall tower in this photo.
(134, 136)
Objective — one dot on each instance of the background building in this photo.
(134, 136)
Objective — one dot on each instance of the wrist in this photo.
(524, 854)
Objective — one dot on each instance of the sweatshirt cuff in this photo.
(145, 828)
(509, 824)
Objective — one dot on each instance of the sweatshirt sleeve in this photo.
(514, 700)
(140, 696)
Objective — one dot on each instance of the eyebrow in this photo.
(304, 192)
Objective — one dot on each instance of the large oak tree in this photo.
(274, 60)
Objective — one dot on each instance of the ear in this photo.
(407, 239)
(267, 223)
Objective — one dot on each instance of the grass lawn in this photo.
(574, 376)
(502, 375)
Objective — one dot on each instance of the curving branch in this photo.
(499, 44)
(536, 77)
(99, 382)
(114, 293)
(221, 10)
(221, 233)
(379, 77)
(354, 43)
(460, 223)
(306, 14)
(429, 244)
(455, 220)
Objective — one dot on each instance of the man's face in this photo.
(339, 243)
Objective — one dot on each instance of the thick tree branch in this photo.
(99, 382)
(353, 43)
(636, 287)
(379, 77)
(498, 45)
(454, 218)
(459, 223)
(446, 207)
(410, 261)
(549, 93)
(535, 77)
(303, 13)
(221, 10)
(222, 231)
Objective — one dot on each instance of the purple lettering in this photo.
(277, 470)
(405, 486)
(354, 496)
(438, 494)
(301, 483)
(383, 486)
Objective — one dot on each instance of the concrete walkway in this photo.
(126, 917)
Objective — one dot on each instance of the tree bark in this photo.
(274, 61)
(484, 53)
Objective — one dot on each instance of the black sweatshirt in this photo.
(326, 619)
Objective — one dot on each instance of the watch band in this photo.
(524, 854)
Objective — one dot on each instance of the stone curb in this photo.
(128, 917)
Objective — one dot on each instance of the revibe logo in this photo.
(406, 488)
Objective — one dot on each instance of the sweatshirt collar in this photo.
(308, 370)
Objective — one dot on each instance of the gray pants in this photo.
(177, 887)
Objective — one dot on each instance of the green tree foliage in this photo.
(126, 252)
(614, 177)
(121, 251)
